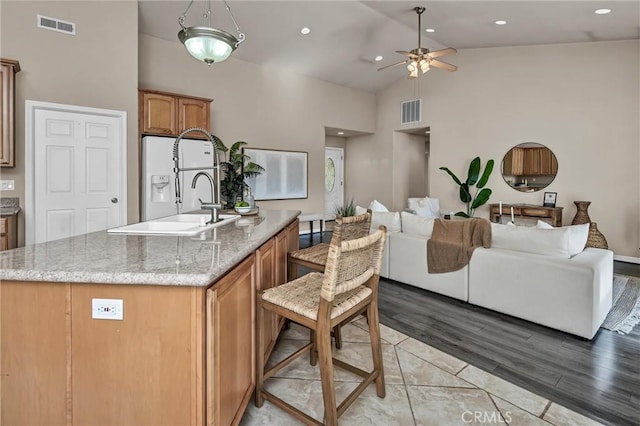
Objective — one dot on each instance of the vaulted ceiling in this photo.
(346, 36)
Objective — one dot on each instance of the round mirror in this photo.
(529, 167)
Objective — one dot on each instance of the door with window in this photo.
(333, 181)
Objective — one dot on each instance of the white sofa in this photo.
(534, 274)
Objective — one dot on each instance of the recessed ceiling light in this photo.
(501, 22)
(341, 133)
(602, 11)
(379, 58)
(430, 30)
(305, 30)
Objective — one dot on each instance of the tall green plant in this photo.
(237, 167)
(481, 195)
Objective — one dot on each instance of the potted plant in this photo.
(236, 168)
(481, 195)
(346, 210)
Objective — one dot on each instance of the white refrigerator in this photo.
(158, 185)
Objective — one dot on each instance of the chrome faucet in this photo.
(204, 205)
(216, 195)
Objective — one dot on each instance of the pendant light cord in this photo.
(207, 16)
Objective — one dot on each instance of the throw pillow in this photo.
(547, 242)
(389, 219)
(425, 207)
(360, 210)
(377, 206)
(578, 236)
(413, 224)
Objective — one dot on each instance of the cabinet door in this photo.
(531, 161)
(159, 114)
(230, 345)
(193, 113)
(7, 72)
(266, 275)
(514, 162)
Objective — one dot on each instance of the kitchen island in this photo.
(184, 350)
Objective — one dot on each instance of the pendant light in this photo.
(207, 44)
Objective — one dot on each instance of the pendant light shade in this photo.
(206, 44)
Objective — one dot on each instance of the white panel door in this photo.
(78, 174)
(333, 182)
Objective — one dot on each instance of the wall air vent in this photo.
(55, 24)
(410, 111)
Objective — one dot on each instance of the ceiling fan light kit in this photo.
(423, 59)
(207, 44)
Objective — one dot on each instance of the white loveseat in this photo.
(543, 276)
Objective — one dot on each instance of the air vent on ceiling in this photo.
(410, 111)
(55, 24)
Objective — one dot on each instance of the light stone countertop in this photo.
(9, 206)
(100, 257)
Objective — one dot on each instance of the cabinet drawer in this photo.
(529, 211)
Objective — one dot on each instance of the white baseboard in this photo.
(627, 259)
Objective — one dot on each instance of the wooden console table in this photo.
(529, 211)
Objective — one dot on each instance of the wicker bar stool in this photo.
(315, 257)
(319, 302)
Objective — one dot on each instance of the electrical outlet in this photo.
(7, 185)
(108, 309)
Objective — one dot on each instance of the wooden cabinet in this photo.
(553, 215)
(168, 114)
(265, 267)
(8, 232)
(230, 354)
(530, 162)
(180, 356)
(8, 69)
(271, 271)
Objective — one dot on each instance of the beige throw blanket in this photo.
(453, 241)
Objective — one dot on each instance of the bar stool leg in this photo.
(259, 398)
(376, 348)
(326, 375)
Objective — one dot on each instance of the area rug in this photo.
(625, 311)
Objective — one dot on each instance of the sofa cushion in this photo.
(425, 207)
(547, 242)
(413, 224)
(389, 219)
(578, 235)
(377, 206)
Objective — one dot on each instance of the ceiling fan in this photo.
(422, 59)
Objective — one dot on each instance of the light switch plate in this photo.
(107, 309)
(7, 185)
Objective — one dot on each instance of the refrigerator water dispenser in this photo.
(160, 189)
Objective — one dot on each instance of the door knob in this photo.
(114, 200)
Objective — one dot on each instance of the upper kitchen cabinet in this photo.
(9, 68)
(168, 114)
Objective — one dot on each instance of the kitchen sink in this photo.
(180, 224)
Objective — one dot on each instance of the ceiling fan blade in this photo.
(442, 65)
(442, 52)
(409, 54)
(392, 65)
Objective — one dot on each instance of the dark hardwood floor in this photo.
(598, 378)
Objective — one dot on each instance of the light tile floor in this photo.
(424, 386)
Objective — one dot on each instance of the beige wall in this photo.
(580, 100)
(265, 107)
(409, 168)
(98, 67)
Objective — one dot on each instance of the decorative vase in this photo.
(596, 239)
(582, 216)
